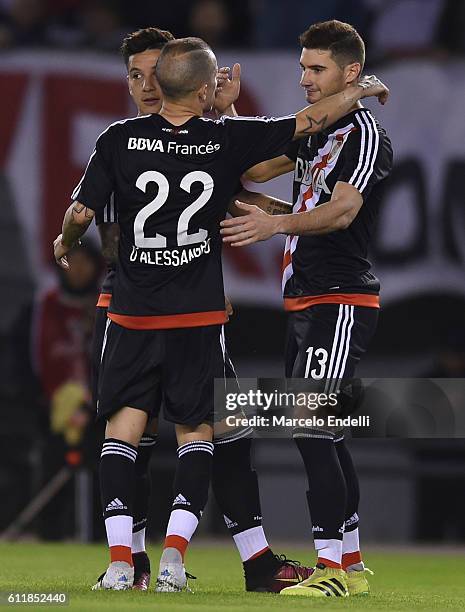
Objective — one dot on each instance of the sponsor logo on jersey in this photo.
(174, 131)
(176, 148)
(314, 172)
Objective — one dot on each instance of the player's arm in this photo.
(269, 204)
(267, 170)
(91, 195)
(315, 118)
(75, 223)
(256, 225)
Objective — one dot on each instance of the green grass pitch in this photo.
(402, 581)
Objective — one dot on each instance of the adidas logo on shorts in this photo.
(116, 504)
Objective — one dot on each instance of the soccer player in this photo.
(329, 290)
(234, 482)
(172, 176)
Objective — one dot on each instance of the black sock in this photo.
(141, 563)
(192, 479)
(327, 487)
(143, 483)
(235, 485)
(117, 487)
(353, 488)
(257, 571)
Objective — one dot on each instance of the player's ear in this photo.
(352, 72)
(203, 92)
(129, 85)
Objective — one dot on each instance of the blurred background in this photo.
(63, 82)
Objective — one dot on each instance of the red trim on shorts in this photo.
(194, 319)
(104, 300)
(369, 300)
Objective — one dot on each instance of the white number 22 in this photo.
(158, 241)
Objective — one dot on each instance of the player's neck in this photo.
(178, 113)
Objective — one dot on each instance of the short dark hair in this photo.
(342, 39)
(183, 66)
(142, 40)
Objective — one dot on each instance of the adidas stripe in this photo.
(198, 446)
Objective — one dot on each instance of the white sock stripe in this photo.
(201, 445)
(195, 443)
(147, 442)
(243, 433)
(340, 348)
(115, 452)
(121, 449)
(334, 347)
(127, 447)
(196, 449)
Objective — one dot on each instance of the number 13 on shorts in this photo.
(320, 358)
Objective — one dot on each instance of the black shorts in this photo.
(326, 341)
(143, 368)
(100, 322)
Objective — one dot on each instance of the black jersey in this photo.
(334, 266)
(172, 186)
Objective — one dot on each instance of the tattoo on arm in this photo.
(72, 229)
(312, 123)
(78, 208)
(275, 207)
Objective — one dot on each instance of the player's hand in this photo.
(227, 88)
(228, 306)
(372, 86)
(251, 227)
(60, 251)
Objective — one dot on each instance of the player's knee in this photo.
(194, 433)
(127, 424)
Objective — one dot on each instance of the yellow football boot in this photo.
(357, 581)
(324, 582)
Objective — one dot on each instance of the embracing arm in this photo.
(269, 204)
(317, 117)
(271, 168)
(256, 225)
